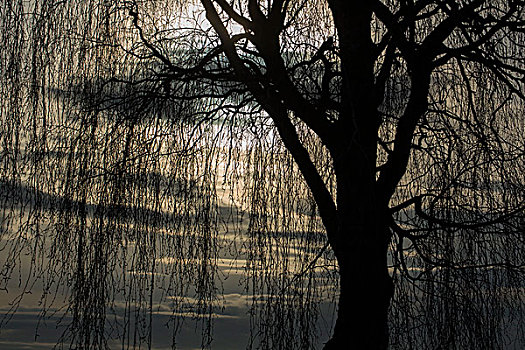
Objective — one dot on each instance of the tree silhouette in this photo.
(386, 133)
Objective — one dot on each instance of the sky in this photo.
(233, 317)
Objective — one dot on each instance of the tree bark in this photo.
(365, 292)
(360, 245)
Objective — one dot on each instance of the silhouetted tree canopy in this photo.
(365, 153)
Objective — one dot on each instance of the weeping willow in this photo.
(126, 193)
(118, 204)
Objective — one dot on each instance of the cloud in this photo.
(8, 345)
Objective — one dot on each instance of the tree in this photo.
(403, 117)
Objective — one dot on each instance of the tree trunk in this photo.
(365, 292)
(360, 245)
